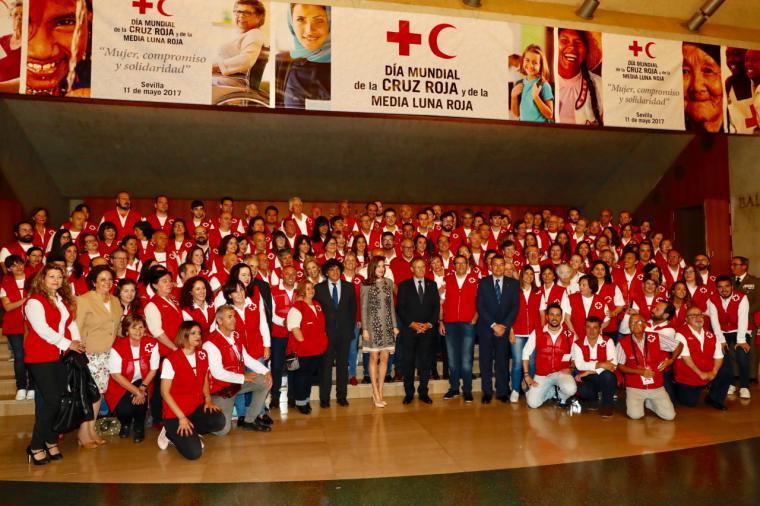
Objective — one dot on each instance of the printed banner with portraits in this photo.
(267, 53)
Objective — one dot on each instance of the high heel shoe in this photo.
(51, 456)
(90, 445)
(37, 462)
(101, 442)
(378, 404)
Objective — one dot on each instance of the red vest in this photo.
(17, 249)
(607, 291)
(201, 317)
(249, 329)
(122, 346)
(156, 225)
(232, 360)
(460, 303)
(551, 355)
(605, 349)
(702, 356)
(528, 316)
(402, 269)
(282, 305)
(357, 281)
(171, 319)
(187, 384)
(13, 321)
(629, 291)
(578, 312)
(729, 317)
(555, 294)
(36, 349)
(635, 358)
(700, 297)
(313, 330)
(132, 218)
(41, 240)
(645, 310)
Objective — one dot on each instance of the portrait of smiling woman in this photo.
(59, 48)
(702, 87)
(303, 72)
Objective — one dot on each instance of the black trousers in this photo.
(302, 378)
(416, 351)
(23, 379)
(337, 353)
(593, 384)
(439, 346)
(717, 389)
(127, 412)
(277, 362)
(203, 422)
(50, 380)
(156, 400)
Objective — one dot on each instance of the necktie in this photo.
(420, 292)
(498, 291)
(335, 295)
(738, 281)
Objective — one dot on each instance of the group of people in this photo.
(200, 319)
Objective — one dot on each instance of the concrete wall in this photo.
(744, 170)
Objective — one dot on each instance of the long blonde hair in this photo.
(38, 286)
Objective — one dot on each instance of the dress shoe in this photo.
(426, 399)
(353, 381)
(367, 381)
(450, 395)
(389, 379)
(138, 436)
(343, 402)
(304, 410)
(486, 399)
(503, 398)
(606, 411)
(291, 403)
(124, 432)
(44, 459)
(256, 426)
(324, 404)
(57, 455)
(408, 399)
(398, 376)
(715, 404)
(468, 397)
(434, 375)
(265, 419)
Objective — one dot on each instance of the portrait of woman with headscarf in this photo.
(579, 81)
(303, 73)
(702, 87)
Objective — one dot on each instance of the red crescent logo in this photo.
(160, 9)
(648, 50)
(433, 41)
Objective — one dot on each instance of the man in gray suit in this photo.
(750, 286)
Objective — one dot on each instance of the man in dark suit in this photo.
(750, 286)
(498, 304)
(338, 301)
(417, 308)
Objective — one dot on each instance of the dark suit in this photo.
(494, 349)
(750, 286)
(417, 349)
(266, 297)
(340, 324)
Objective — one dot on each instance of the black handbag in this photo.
(81, 392)
(291, 362)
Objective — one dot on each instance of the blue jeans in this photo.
(353, 354)
(516, 372)
(740, 357)
(242, 401)
(460, 338)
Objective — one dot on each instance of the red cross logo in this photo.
(143, 5)
(751, 122)
(635, 48)
(404, 38)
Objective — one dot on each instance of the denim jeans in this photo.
(740, 357)
(460, 338)
(517, 364)
(353, 354)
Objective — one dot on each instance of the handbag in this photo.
(291, 362)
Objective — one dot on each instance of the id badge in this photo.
(647, 381)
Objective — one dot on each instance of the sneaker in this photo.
(468, 397)
(450, 395)
(744, 393)
(30, 395)
(514, 396)
(163, 441)
(20, 394)
(732, 390)
(353, 381)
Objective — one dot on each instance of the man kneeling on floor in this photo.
(552, 344)
(227, 360)
(641, 360)
(594, 358)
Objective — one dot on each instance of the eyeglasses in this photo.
(700, 315)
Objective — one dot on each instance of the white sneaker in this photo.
(163, 441)
(30, 395)
(732, 390)
(744, 393)
(20, 394)
(514, 396)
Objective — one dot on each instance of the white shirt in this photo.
(5, 253)
(330, 285)
(580, 362)
(217, 369)
(263, 325)
(19, 283)
(530, 345)
(742, 320)
(717, 354)
(114, 362)
(167, 371)
(35, 316)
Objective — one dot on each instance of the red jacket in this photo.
(313, 330)
(13, 321)
(187, 384)
(171, 319)
(122, 346)
(232, 360)
(702, 356)
(133, 217)
(552, 356)
(36, 349)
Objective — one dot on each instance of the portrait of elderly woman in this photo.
(10, 44)
(303, 72)
(59, 48)
(702, 87)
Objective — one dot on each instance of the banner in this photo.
(314, 57)
(643, 83)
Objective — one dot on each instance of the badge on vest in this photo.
(647, 381)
